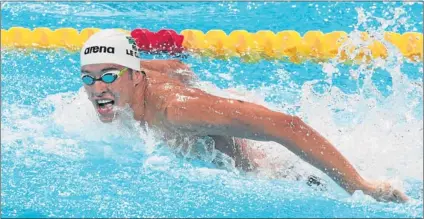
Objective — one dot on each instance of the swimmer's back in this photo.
(173, 68)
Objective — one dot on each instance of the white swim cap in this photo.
(111, 46)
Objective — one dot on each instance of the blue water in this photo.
(227, 16)
(58, 161)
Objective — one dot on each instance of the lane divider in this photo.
(286, 45)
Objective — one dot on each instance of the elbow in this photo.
(296, 123)
(286, 128)
(290, 123)
(298, 129)
(298, 132)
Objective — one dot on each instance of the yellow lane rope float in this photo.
(264, 44)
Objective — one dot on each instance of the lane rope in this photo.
(286, 45)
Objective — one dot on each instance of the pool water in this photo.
(58, 160)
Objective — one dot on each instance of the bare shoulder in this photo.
(161, 89)
(173, 68)
(164, 65)
(174, 63)
(170, 90)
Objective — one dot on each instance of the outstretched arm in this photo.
(210, 115)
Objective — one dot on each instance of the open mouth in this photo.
(104, 106)
(105, 103)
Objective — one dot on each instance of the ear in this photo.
(138, 77)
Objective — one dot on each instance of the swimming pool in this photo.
(59, 161)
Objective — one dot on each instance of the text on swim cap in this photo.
(133, 53)
(99, 49)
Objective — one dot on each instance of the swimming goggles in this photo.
(107, 77)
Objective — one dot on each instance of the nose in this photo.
(98, 88)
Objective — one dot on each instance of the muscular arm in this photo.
(210, 115)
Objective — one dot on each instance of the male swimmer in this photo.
(114, 77)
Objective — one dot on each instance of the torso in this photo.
(160, 89)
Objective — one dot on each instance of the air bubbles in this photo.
(252, 5)
(330, 69)
(227, 77)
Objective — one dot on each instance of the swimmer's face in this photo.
(108, 97)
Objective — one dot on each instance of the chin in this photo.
(106, 119)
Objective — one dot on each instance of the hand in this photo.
(384, 191)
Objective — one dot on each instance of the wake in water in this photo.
(366, 129)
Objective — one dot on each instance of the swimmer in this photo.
(159, 95)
